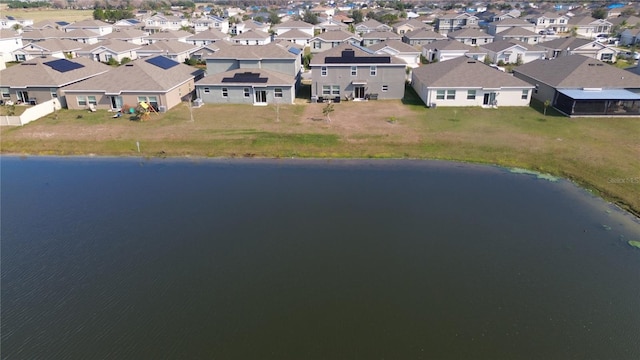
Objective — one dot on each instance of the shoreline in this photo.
(583, 185)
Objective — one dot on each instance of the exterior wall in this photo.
(283, 30)
(175, 96)
(391, 76)
(503, 97)
(323, 45)
(39, 94)
(289, 67)
(542, 93)
(215, 66)
(629, 37)
(475, 41)
(235, 94)
(599, 55)
(168, 100)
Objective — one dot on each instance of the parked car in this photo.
(602, 38)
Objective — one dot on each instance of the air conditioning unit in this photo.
(162, 109)
(197, 102)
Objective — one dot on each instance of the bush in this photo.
(125, 60)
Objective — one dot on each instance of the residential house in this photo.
(207, 37)
(252, 37)
(128, 24)
(247, 25)
(497, 27)
(421, 37)
(489, 16)
(513, 52)
(302, 26)
(134, 36)
(211, 22)
(9, 42)
(550, 21)
(99, 27)
(47, 24)
(445, 50)
(207, 50)
(82, 36)
(630, 37)
(455, 21)
(470, 36)
(158, 81)
(251, 75)
(375, 37)
(519, 34)
(161, 23)
(174, 50)
(468, 82)
(404, 26)
(106, 50)
(331, 25)
(571, 45)
(296, 36)
(40, 35)
(44, 78)
(624, 22)
(589, 27)
(577, 85)
(330, 39)
(353, 72)
(323, 11)
(56, 48)
(169, 35)
(405, 52)
(9, 22)
(371, 25)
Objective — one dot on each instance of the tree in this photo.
(274, 18)
(310, 17)
(599, 13)
(546, 105)
(327, 110)
(357, 16)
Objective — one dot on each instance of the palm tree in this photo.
(327, 110)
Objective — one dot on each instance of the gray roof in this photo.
(512, 22)
(79, 34)
(117, 46)
(564, 43)
(273, 78)
(577, 71)
(294, 34)
(450, 44)
(582, 20)
(53, 45)
(88, 24)
(465, 72)
(138, 75)
(251, 34)
(381, 35)
(171, 47)
(33, 73)
(268, 51)
(370, 24)
(394, 44)
(169, 35)
(125, 34)
(336, 35)
(211, 34)
(416, 24)
(295, 24)
(319, 58)
(38, 35)
(517, 31)
(502, 45)
(9, 34)
(426, 34)
(468, 33)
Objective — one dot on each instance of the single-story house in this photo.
(96, 26)
(169, 35)
(400, 50)
(467, 82)
(296, 36)
(134, 36)
(589, 27)
(42, 79)
(422, 37)
(252, 37)
(207, 37)
(286, 26)
(513, 52)
(82, 36)
(471, 36)
(330, 39)
(374, 37)
(450, 49)
(57, 48)
(175, 50)
(519, 34)
(572, 45)
(159, 81)
(578, 85)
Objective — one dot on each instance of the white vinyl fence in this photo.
(33, 113)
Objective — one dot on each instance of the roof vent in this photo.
(348, 53)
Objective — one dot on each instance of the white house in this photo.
(513, 52)
(468, 82)
(10, 41)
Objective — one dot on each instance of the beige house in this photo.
(159, 81)
(110, 49)
(330, 39)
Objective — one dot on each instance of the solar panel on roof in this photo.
(62, 23)
(357, 60)
(295, 51)
(245, 77)
(162, 62)
(63, 65)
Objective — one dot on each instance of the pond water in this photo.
(326, 259)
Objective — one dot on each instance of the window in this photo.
(326, 90)
(151, 100)
(225, 92)
(385, 88)
(607, 57)
(440, 94)
(246, 92)
(335, 90)
(206, 90)
(277, 92)
(92, 100)
(317, 44)
(535, 91)
(373, 70)
(5, 92)
(54, 93)
(82, 100)
(20, 57)
(451, 94)
(525, 94)
(323, 71)
(471, 94)
(354, 71)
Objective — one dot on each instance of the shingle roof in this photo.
(294, 34)
(335, 35)
(381, 35)
(465, 72)
(138, 75)
(517, 31)
(269, 51)
(394, 44)
(502, 45)
(34, 73)
(577, 71)
(114, 45)
(370, 24)
(88, 24)
(171, 47)
(294, 25)
(513, 22)
(171, 34)
(124, 34)
(211, 34)
(273, 78)
(468, 32)
(319, 58)
(564, 43)
(9, 34)
(424, 34)
(37, 35)
(79, 34)
(251, 34)
(449, 44)
(53, 45)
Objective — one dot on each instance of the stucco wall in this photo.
(391, 76)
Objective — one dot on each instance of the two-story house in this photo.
(158, 23)
(9, 42)
(258, 75)
(374, 37)
(352, 72)
(134, 36)
(211, 22)
(422, 37)
(589, 27)
(549, 21)
(330, 39)
(455, 21)
(96, 26)
(470, 36)
(513, 52)
(371, 25)
(497, 27)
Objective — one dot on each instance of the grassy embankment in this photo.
(39, 14)
(601, 154)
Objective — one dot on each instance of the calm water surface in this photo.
(134, 259)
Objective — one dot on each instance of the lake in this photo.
(314, 259)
